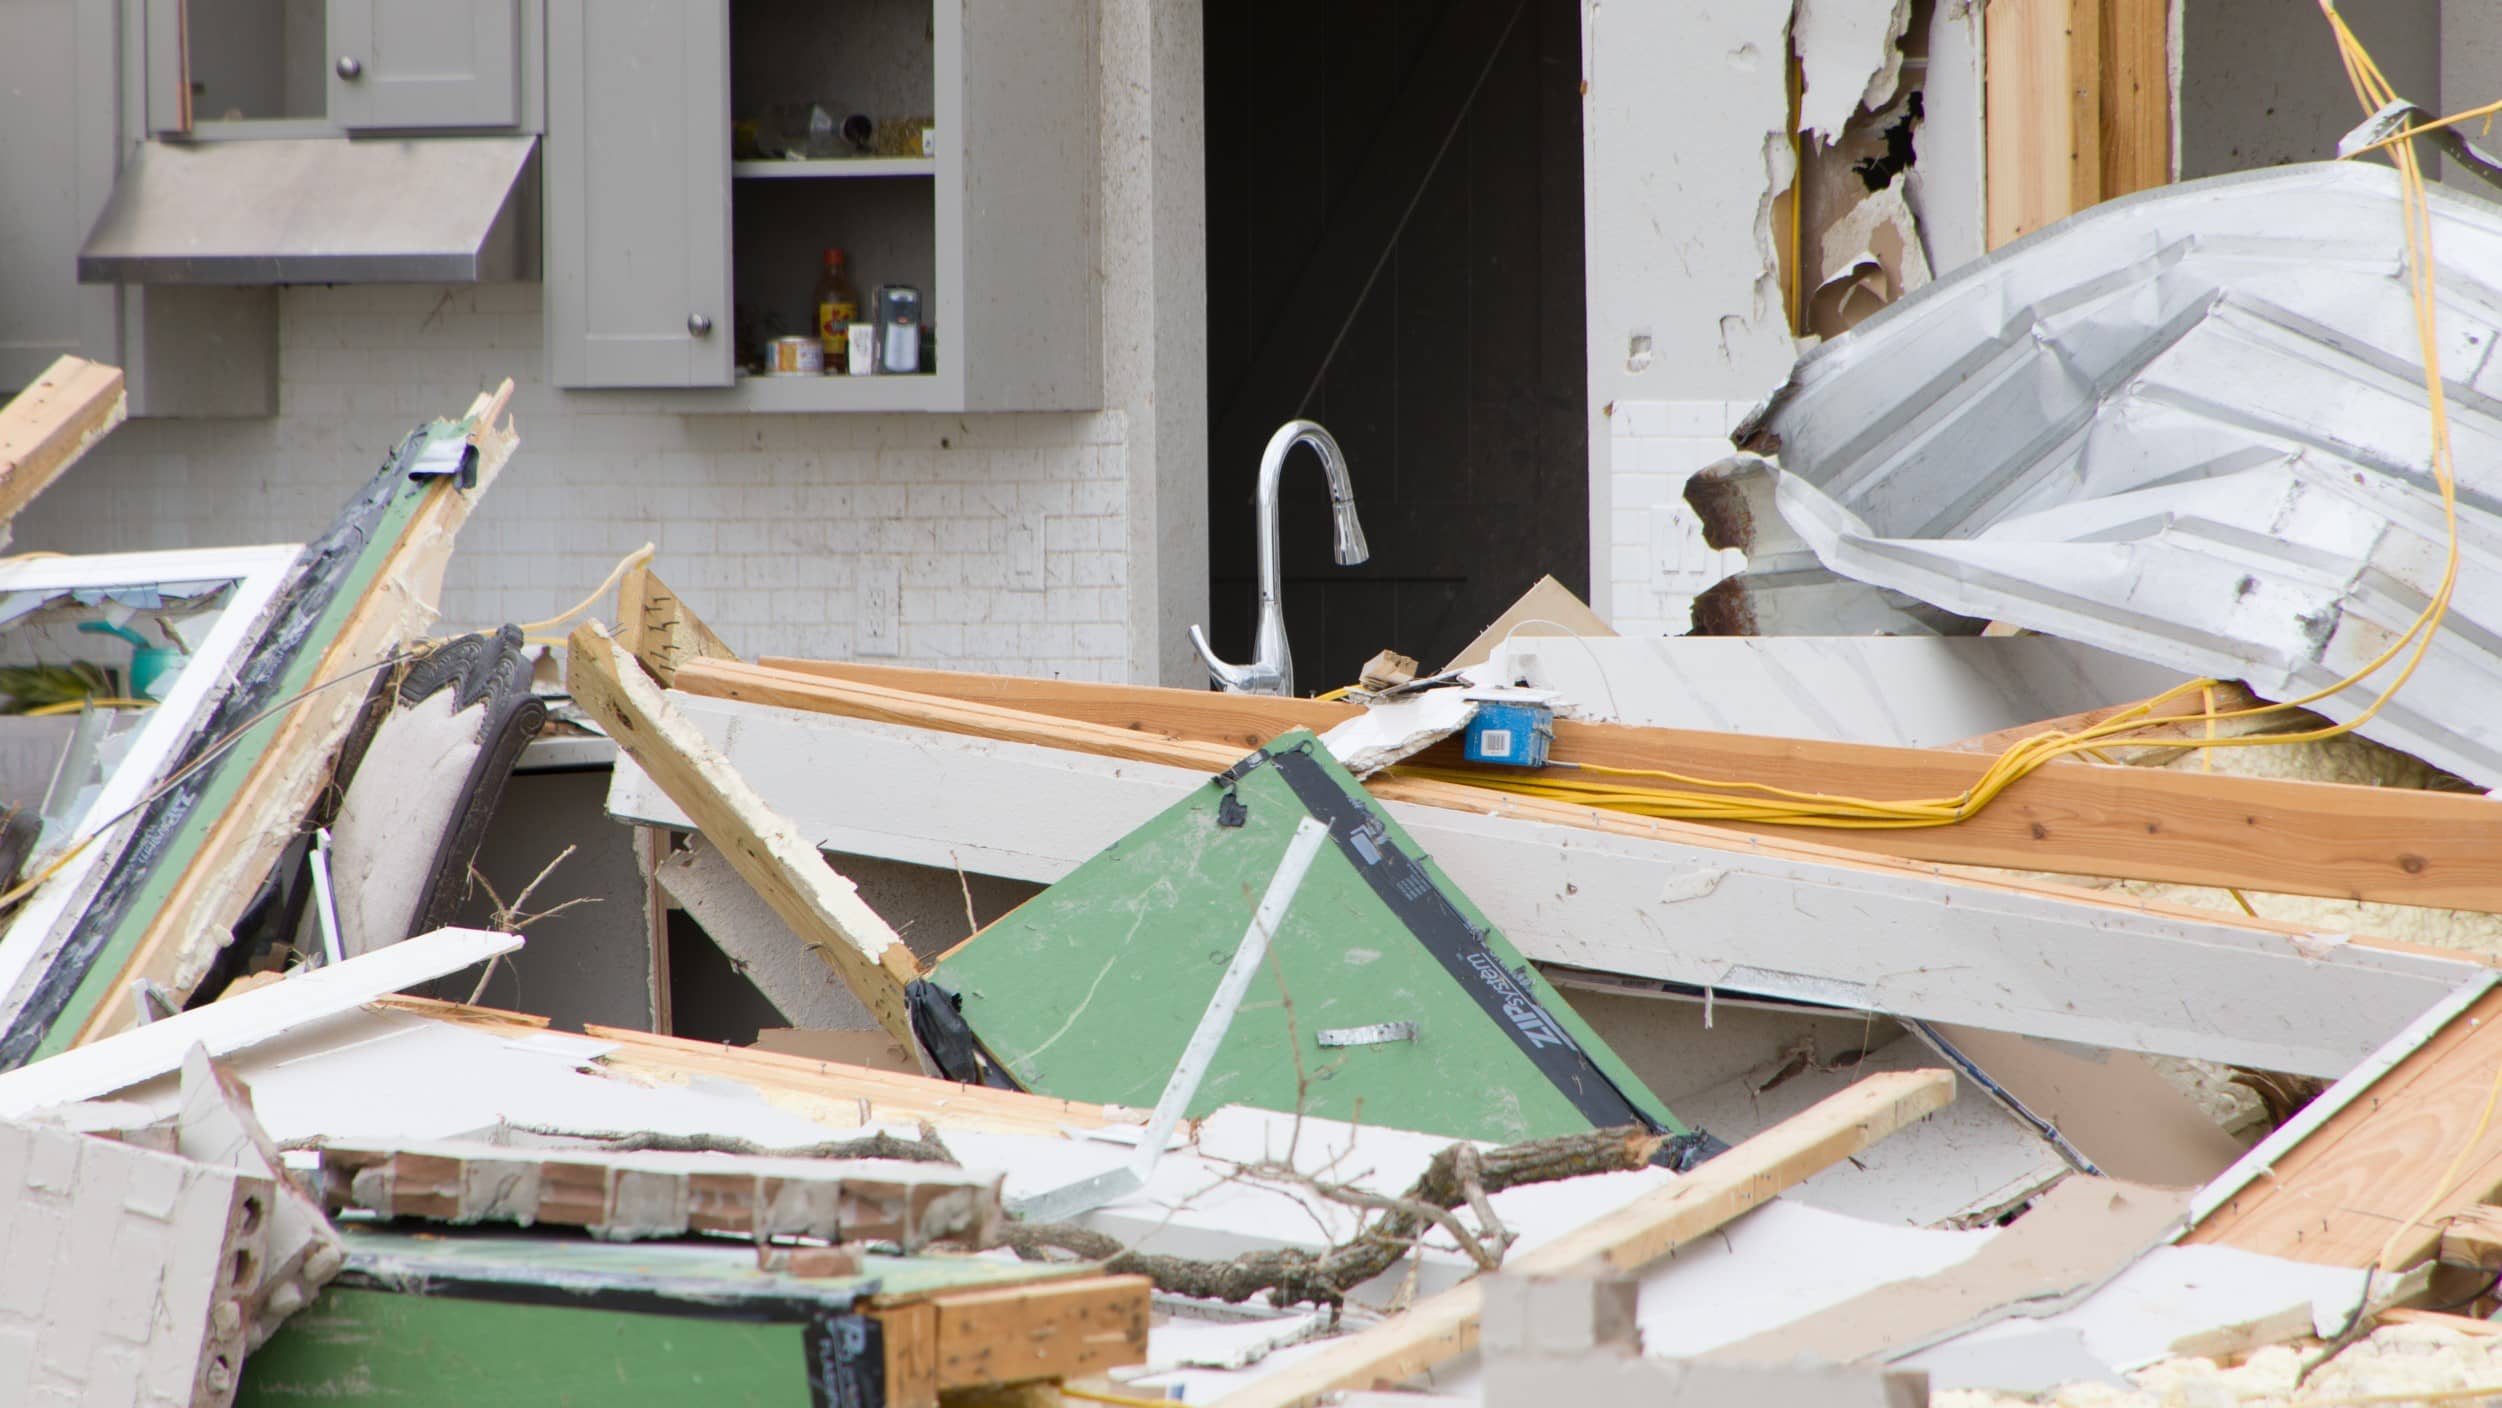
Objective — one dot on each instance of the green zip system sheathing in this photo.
(1091, 990)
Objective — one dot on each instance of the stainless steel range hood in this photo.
(322, 210)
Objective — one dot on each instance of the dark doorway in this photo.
(1394, 250)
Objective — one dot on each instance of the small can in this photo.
(899, 326)
(863, 349)
(795, 356)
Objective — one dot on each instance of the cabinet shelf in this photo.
(836, 169)
(817, 394)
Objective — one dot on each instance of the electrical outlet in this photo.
(1022, 546)
(881, 608)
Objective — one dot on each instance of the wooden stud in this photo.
(1055, 1330)
(911, 1355)
(2135, 97)
(51, 423)
(2044, 106)
(821, 905)
(651, 848)
(659, 627)
(1444, 1326)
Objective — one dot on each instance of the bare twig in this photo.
(1293, 1276)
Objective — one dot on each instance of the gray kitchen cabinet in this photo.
(991, 220)
(406, 64)
(637, 181)
(65, 115)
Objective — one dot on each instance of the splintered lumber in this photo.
(659, 627)
(2474, 1238)
(2396, 845)
(832, 1094)
(2378, 1172)
(50, 424)
(377, 612)
(821, 906)
(1440, 1328)
(625, 1195)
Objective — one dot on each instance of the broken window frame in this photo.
(257, 575)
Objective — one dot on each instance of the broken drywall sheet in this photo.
(218, 1127)
(1849, 57)
(1669, 255)
(128, 1271)
(1945, 185)
(1871, 256)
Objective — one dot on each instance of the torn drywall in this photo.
(1849, 57)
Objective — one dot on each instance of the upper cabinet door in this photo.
(637, 182)
(424, 63)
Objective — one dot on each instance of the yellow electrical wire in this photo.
(72, 706)
(1092, 1395)
(1763, 804)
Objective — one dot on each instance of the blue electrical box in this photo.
(1515, 735)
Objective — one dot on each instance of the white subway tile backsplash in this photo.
(762, 520)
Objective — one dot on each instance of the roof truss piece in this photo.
(1683, 905)
(1441, 1328)
(819, 904)
(2393, 845)
(50, 424)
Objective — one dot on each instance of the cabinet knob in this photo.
(698, 324)
(350, 69)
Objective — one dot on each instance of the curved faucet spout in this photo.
(1272, 668)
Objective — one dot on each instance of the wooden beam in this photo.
(2044, 106)
(1681, 904)
(2135, 97)
(2380, 1165)
(1443, 1327)
(2385, 844)
(262, 816)
(1054, 1330)
(1407, 148)
(911, 1354)
(821, 906)
(660, 629)
(51, 423)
